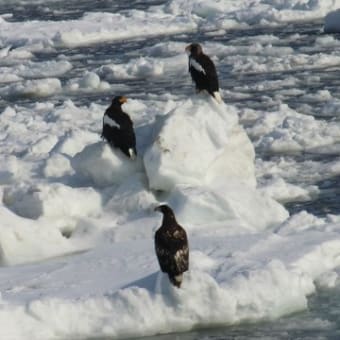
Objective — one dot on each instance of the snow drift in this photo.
(197, 143)
(102, 165)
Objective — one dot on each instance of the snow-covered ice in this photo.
(76, 216)
(191, 146)
(239, 236)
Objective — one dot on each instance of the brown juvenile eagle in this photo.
(171, 245)
(203, 71)
(118, 128)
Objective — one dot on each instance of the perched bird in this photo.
(118, 128)
(203, 71)
(171, 245)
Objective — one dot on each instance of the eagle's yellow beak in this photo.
(123, 100)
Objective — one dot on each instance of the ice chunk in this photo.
(239, 204)
(103, 165)
(199, 142)
(53, 201)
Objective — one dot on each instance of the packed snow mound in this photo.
(226, 207)
(74, 140)
(236, 163)
(147, 67)
(283, 192)
(43, 145)
(53, 201)
(195, 143)
(89, 82)
(103, 165)
(332, 22)
(34, 88)
(140, 68)
(25, 240)
(57, 166)
(132, 196)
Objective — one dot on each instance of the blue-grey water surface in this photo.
(321, 320)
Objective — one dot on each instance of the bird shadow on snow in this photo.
(144, 135)
(148, 282)
(157, 283)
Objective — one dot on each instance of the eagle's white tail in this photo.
(176, 280)
(132, 153)
(218, 97)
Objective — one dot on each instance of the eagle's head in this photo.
(119, 100)
(165, 210)
(193, 49)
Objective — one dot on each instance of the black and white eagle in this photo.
(171, 245)
(118, 128)
(203, 71)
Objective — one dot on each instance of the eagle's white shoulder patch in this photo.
(107, 120)
(180, 253)
(218, 97)
(132, 153)
(197, 66)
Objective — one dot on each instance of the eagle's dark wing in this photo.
(118, 131)
(197, 74)
(210, 72)
(128, 137)
(124, 120)
(203, 73)
(110, 128)
(172, 250)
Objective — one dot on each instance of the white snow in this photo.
(192, 147)
(224, 206)
(77, 217)
(102, 165)
(287, 129)
(140, 68)
(34, 88)
(176, 16)
(239, 236)
(48, 201)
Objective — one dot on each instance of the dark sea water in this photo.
(322, 319)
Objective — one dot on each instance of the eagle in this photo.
(203, 71)
(118, 128)
(171, 245)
